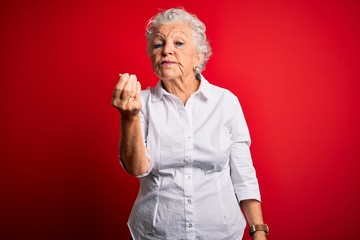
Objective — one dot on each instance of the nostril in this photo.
(165, 53)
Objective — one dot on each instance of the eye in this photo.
(179, 44)
(158, 45)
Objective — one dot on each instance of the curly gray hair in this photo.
(180, 15)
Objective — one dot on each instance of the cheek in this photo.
(155, 56)
(155, 63)
(153, 59)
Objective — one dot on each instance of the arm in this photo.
(127, 100)
(243, 173)
(253, 214)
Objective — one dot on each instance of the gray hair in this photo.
(180, 15)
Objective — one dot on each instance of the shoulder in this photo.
(218, 93)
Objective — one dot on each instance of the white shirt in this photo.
(200, 166)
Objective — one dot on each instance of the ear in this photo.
(200, 59)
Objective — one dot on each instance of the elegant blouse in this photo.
(200, 166)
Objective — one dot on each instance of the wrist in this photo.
(130, 117)
(259, 230)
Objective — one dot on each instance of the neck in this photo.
(182, 88)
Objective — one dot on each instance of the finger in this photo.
(122, 81)
(116, 94)
(138, 90)
(119, 86)
(126, 85)
(133, 86)
(128, 88)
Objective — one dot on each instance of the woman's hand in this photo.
(127, 100)
(259, 236)
(126, 97)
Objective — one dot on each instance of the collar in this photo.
(204, 89)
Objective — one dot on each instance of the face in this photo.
(173, 53)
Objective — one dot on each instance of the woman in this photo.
(187, 141)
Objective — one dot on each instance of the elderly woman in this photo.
(187, 141)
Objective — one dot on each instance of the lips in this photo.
(166, 62)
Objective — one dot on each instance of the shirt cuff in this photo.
(248, 195)
(150, 158)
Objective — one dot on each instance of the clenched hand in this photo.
(126, 97)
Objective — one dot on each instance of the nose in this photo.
(168, 49)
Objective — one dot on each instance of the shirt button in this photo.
(189, 225)
(188, 177)
(189, 200)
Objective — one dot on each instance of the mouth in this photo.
(167, 63)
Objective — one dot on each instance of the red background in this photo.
(293, 64)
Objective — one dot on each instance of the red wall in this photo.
(293, 64)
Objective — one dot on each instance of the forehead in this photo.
(173, 29)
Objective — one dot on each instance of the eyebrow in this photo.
(159, 34)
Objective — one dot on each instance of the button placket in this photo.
(188, 170)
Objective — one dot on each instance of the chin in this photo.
(167, 75)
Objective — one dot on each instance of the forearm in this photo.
(131, 146)
(252, 211)
(253, 214)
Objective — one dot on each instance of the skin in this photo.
(127, 100)
(173, 56)
(253, 214)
